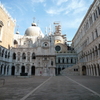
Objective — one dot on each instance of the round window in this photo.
(57, 48)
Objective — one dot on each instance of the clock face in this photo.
(57, 48)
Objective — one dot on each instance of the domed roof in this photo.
(58, 38)
(33, 30)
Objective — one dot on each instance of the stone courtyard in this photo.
(50, 88)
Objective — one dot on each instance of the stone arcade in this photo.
(48, 55)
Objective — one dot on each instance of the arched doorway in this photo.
(1, 68)
(13, 70)
(63, 68)
(83, 70)
(23, 69)
(56, 71)
(33, 70)
(59, 69)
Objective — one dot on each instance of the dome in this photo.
(58, 38)
(33, 30)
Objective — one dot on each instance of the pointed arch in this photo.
(13, 70)
(8, 54)
(23, 69)
(33, 70)
(5, 54)
(33, 56)
(84, 70)
(23, 56)
(14, 55)
(2, 52)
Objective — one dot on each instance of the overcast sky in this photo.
(68, 12)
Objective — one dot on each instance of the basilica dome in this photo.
(33, 30)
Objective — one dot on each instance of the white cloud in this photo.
(72, 7)
(59, 2)
(38, 1)
(54, 11)
(74, 4)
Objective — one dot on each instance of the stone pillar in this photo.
(54, 71)
(57, 70)
(29, 73)
(56, 60)
(15, 70)
(92, 56)
(97, 70)
(2, 70)
(25, 69)
(80, 70)
(9, 73)
(91, 71)
(98, 53)
(6, 71)
(36, 71)
(64, 60)
(87, 71)
(94, 71)
(20, 69)
(60, 60)
(69, 60)
(74, 60)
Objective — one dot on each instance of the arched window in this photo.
(23, 56)
(15, 42)
(33, 56)
(14, 55)
(6, 54)
(71, 60)
(62, 60)
(2, 52)
(52, 63)
(58, 60)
